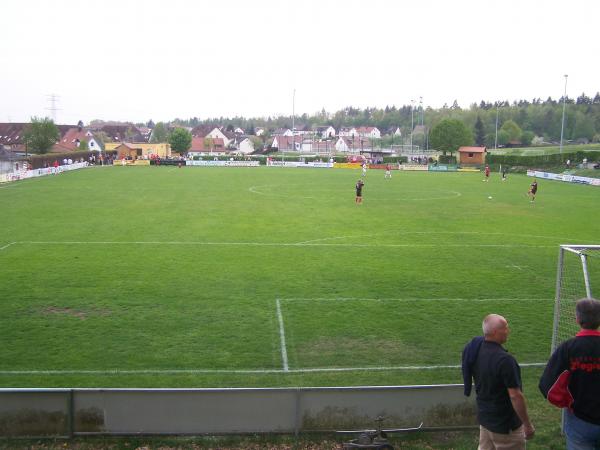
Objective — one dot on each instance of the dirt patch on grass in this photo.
(72, 312)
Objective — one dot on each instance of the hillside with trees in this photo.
(520, 123)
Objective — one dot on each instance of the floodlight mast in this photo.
(412, 123)
(293, 120)
(496, 140)
(562, 126)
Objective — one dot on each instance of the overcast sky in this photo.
(151, 59)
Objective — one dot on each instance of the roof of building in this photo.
(11, 133)
(287, 141)
(122, 133)
(472, 149)
(199, 144)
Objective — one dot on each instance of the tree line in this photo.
(527, 120)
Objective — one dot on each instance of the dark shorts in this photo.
(358, 193)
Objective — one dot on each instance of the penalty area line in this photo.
(412, 299)
(239, 371)
(282, 244)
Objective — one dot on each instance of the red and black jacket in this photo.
(572, 376)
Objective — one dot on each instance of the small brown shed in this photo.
(471, 156)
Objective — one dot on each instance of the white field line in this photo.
(240, 371)
(284, 357)
(414, 299)
(278, 244)
(7, 245)
(428, 233)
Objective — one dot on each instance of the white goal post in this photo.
(577, 274)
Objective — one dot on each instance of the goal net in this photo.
(578, 276)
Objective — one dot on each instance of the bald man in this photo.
(501, 407)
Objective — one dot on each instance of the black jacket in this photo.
(572, 376)
(469, 356)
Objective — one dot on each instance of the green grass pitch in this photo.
(209, 277)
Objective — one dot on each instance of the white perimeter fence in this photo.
(24, 174)
(73, 412)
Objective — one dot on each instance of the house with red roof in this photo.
(206, 146)
(213, 132)
(72, 139)
(287, 143)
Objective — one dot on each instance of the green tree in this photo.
(490, 140)
(479, 132)
(40, 135)
(209, 143)
(449, 135)
(513, 130)
(257, 142)
(159, 134)
(584, 128)
(503, 138)
(527, 137)
(83, 145)
(180, 140)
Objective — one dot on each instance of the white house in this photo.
(244, 145)
(395, 131)
(92, 143)
(302, 130)
(283, 132)
(259, 131)
(287, 143)
(342, 145)
(216, 133)
(238, 130)
(325, 132)
(352, 145)
(348, 132)
(73, 137)
(369, 132)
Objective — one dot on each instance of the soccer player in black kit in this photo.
(359, 186)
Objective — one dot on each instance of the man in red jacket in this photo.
(572, 379)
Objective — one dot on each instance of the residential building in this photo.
(213, 132)
(72, 139)
(282, 132)
(287, 143)
(352, 144)
(137, 150)
(348, 132)
(324, 132)
(369, 132)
